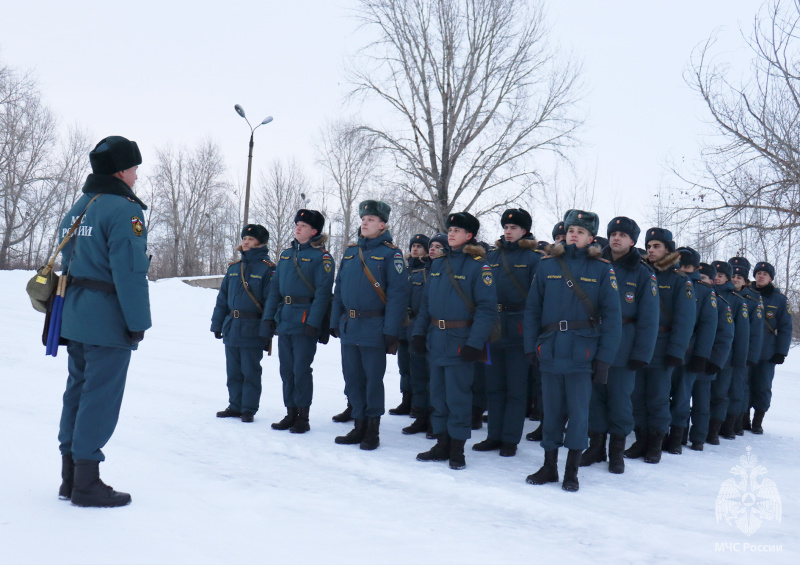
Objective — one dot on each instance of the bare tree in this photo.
(282, 191)
(476, 91)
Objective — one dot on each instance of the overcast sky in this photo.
(170, 72)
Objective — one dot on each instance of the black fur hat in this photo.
(662, 235)
(114, 154)
(374, 208)
(257, 231)
(689, 257)
(542, 245)
(766, 267)
(464, 220)
(311, 217)
(518, 217)
(724, 268)
(741, 266)
(708, 270)
(587, 220)
(440, 238)
(420, 238)
(559, 229)
(624, 225)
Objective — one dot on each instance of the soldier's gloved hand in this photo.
(419, 344)
(310, 331)
(671, 361)
(334, 332)
(778, 359)
(600, 372)
(532, 358)
(470, 354)
(391, 342)
(711, 368)
(136, 337)
(218, 335)
(267, 343)
(636, 364)
(696, 364)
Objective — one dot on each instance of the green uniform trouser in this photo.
(93, 398)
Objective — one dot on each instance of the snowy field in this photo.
(207, 490)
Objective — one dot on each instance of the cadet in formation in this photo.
(513, 259)
(677, 315)
(297, 310)
(777, 339)
(369, 309)
(572, 327)
(237, 322)
(456, 317)
(106, 312)
(610, 409)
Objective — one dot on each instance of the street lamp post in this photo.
(268, 119)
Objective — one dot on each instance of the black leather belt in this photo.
(297, 300)
(92, 284)
(510, 307)
(364, 313)
(244, 314)
(565, 325)
(450, 324)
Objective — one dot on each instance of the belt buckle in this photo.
(235, 313)
(499, 307)
(287, 299)
(442, 325)
(563, 326)
(352, 313)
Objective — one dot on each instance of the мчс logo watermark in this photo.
(748, 500)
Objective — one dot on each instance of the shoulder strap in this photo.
(301, 275)
(464, 297)
(375, 284)
(579, 292)
(510, 274)
(67, 237)
(247, 288)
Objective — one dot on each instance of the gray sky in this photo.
(170, 72)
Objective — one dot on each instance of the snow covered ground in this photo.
(207, 490)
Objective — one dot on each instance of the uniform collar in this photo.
(107, 184)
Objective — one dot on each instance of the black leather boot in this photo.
(616, 450)
(653, 453)
(457, 461)
(535, 435)
(301, 424)
(548, 473)
(675, 440)
(570, 483)
(419, 425)
(726, 429)
(758, 420)
(597, 450)
(439, 452)
(228, 413)
(638, 448)
(404, 408)
(89, 490)
(477, 417)
(288, 420)
(354, 436)
(372, 438)
(487, 445)
(345, 416)
(746, 421)
(713, 431)
(738, 425)
(67, 477)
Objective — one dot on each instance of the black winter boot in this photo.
(726, 429)
(487, 445)
(354, 436)
(638, 448)
(713, 431)
(653, 453)
(675, 440)
(596, 452)
(89, 490)
(345, 416)
(404, 408)
(570, 483)
(508, 449)
(738, 425)
(288, 420)
(301, 424)
(535, 435)
(477, 417)
(746, 421)
(372, 438)
(616, 459)
(548, 473)
(696, 446)
(758, 419)
(67, 477)
(248, 417)
(228, 413)
(419, 425)
(439, 452)
(457, 461)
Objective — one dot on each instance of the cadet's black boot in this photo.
(89, 490)
(616, 459)
(354, 436)
(372, 438)
(685, 438)
(548, 473)
(738, 425)
(228, 413)
(439, 452)
(67, 477)
(596, 452)
(713, 431)
(420, 424)
(508, 449)
(697, 446)
(638, 448)
(675, 440)
(758, 419)
(345, 416)
(457, 461)
(288, 420)
(653, 453)
(535, 435)
(477, 418)
(404, 408)
(301, 424)
(487, 445)
(746, 421)
(247, 417)
(570, 483)
(726, 429)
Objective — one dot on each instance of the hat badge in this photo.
(580, 215)
(617, 221)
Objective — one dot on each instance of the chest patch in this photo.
(770, 314)
(629, 296)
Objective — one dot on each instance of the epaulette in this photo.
(679, 272)
(709, 285)
(390, 245)
(270, 263)
(603, 260)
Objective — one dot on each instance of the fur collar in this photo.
(667, 262)
(474, 250)
(319, 241)
(524, 243)
(592, 252)
(767, 290)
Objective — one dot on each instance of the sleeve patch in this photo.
(137, 225)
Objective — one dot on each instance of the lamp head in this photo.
(240, 111)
